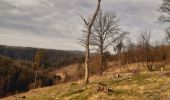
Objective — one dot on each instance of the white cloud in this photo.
(43, 23)
(24, 2)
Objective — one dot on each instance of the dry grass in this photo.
(144, 86)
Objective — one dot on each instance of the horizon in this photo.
(39, 48)
(52, 24)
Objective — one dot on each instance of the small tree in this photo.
(167, 34)
(88, 28)
(37, 61)
(120, 45)
(130, 54)
(145, 40)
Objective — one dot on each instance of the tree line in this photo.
(51, 58)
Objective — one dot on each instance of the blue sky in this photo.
(56, 24)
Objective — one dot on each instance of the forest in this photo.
(17, 72)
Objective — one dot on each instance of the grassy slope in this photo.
(145, 86)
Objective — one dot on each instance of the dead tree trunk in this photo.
(89, 26)
(87, 59)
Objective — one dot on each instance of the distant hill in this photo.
(52, 58)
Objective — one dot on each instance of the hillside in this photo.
(125, 54)
(16, 68)
(143, 86)
(52, 58)
(18, 76)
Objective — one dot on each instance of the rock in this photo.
(21, 98)
(117, 75)
(102, 88)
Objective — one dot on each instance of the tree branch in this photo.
(83, 19)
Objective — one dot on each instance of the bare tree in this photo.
(88, 28)
(167, 30)
(120, 45)
(165, 17)
(38, 57)
(145, 40)
(130, 49)
(105, 32)
(165, 9)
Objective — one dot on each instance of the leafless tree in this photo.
(89, 25)
(105, 32)
(120, 45)
(130, 49)
(165, 9)
(38, 58)
(165, 17)
(167, 30)
(145, 40)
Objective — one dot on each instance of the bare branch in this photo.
(165, 9)
(83, 19)
(95, 14)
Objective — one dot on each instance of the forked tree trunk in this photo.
(89, 26)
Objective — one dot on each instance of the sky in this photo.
(56, 24)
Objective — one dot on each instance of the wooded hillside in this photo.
(52, 58)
